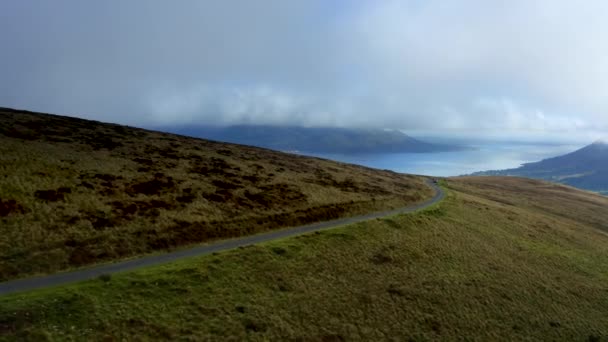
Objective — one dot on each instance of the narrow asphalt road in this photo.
(33, 283)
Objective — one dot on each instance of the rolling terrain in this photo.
(586, 168)
(77, 192)
(501, 258)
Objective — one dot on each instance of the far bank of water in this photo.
(496, 156)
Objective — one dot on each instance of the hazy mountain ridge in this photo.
(586, 168)
(320, 140)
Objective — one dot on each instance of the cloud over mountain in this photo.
(518, 68)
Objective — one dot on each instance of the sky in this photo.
(518, 69)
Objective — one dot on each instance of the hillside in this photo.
(316, 140)
(586, 168)
(499, 259)
(76, 192)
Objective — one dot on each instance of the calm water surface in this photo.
(484, 157)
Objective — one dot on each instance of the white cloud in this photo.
(545, 55)
(518, 68)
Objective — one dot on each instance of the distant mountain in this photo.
(586, 168)
(315, 140)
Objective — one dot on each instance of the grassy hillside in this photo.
(499, 259)
(75, 192)
(564, 202)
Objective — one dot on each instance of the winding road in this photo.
(26, 284)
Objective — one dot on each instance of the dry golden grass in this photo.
(564, 202)
(75, 192)
(481, 265)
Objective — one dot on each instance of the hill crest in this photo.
(76, 192)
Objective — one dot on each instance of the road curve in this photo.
(26, 284)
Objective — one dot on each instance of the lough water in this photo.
(483, 157)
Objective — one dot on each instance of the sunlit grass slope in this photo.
(75, 192)
(499, 259)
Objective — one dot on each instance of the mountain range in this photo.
(315, 140)
(586, 168)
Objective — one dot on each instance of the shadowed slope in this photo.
(74, 192)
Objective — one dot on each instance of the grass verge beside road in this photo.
(468, 267)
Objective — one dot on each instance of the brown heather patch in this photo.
(11, 206)
(52, 195)
(75, 192)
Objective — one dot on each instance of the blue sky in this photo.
(519, 69)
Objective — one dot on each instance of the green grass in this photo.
(76, 192)
(467, 268)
